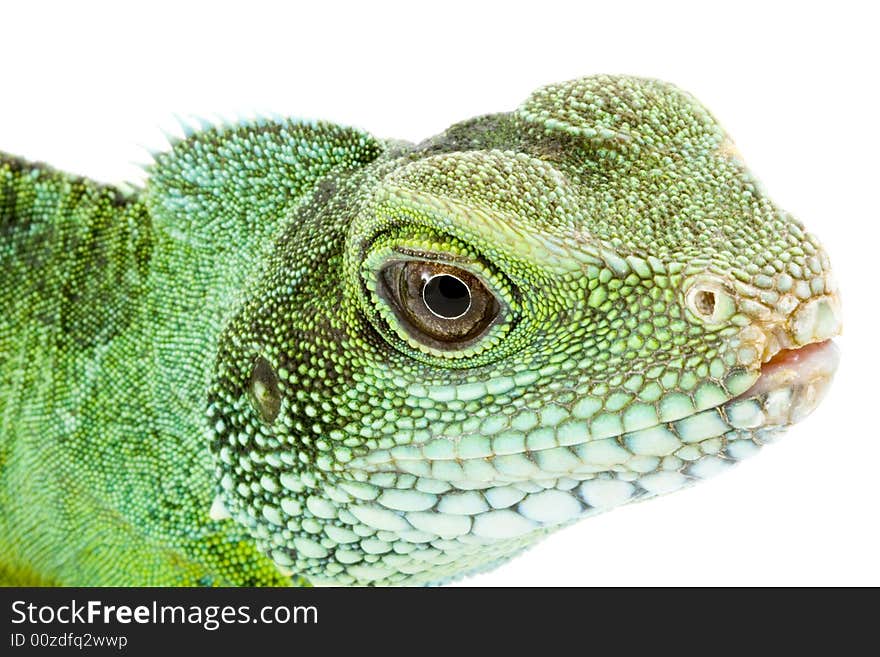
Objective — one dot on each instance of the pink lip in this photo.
(809, 365)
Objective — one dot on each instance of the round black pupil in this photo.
(447, 296)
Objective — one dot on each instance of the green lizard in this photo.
(304, 354)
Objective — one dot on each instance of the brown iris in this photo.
(442, 306)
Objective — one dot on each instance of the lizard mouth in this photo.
(791, 385)
(794, 382)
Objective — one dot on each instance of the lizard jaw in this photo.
(798, 361)
(794, 381)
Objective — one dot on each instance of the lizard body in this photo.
(302, 353)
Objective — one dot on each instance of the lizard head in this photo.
(531, 318)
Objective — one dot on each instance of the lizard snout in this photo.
(815, 320)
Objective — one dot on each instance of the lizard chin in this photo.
(793, 382)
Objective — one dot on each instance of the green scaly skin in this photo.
(210, 381)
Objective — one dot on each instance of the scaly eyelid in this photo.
(443, 338)
(401, 249)
(407, 253)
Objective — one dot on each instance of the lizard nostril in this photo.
(704, 301)
(708, 302)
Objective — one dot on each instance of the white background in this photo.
(795, 84)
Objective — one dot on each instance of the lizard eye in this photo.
(447, 296)
(441, 305)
